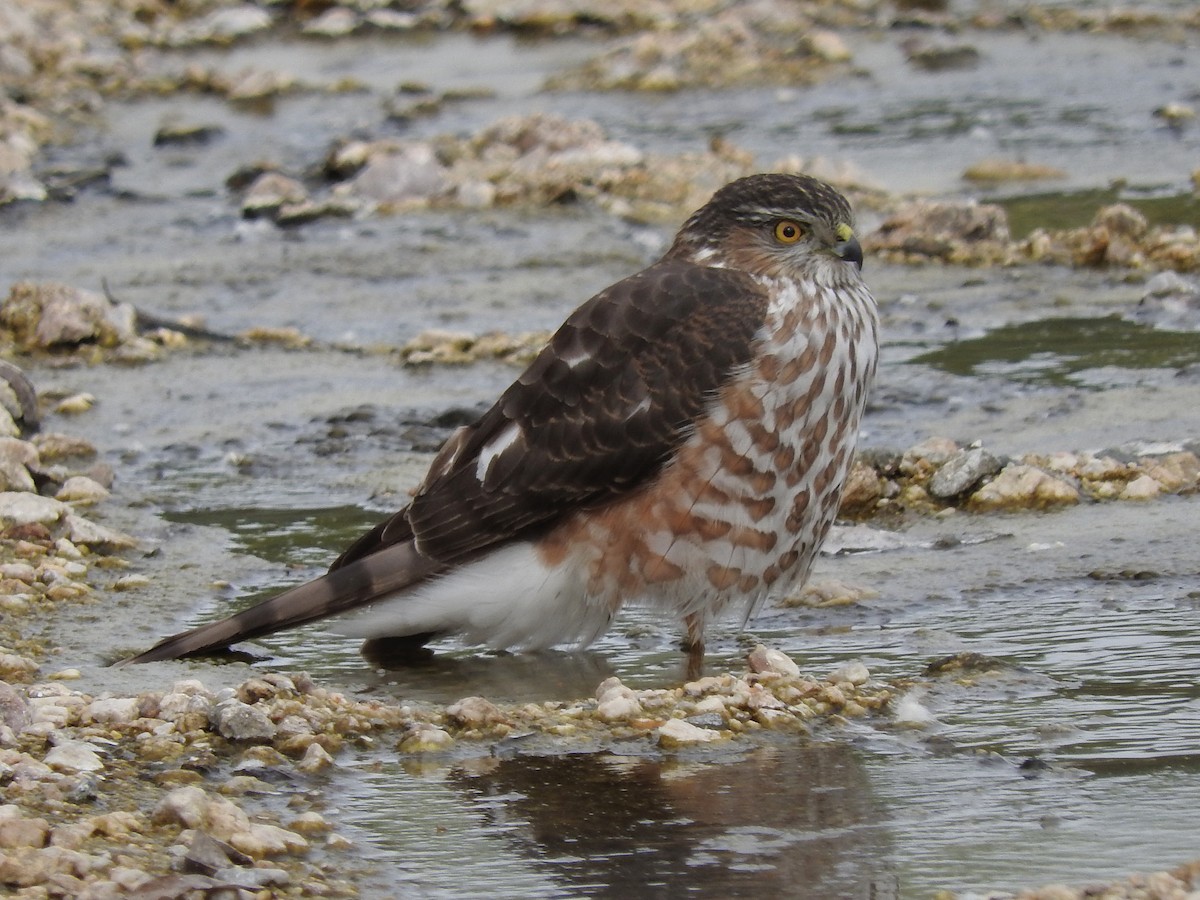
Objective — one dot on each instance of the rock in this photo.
(938, 58)
(74, 756)
(316, 759)
(29, 866)
(830, 592)
(1023, 487)
(14, 711)
(961, 472)
(16, 459)
(179, 704)
(310, 823)
(334, 22)
(14, 667)
(81, 489)
(259, 840)
(947, 230)
(854, 672)
(475, 712)
(55, 447)
(426, 738)
(187, 134)
(1121, 220)
(910, 712)
(238, 721)
(863, 490)
(223, 26)
(21, 508)
(97, 537)
(131, 582)
(618, 708)
(924, 457)
(184, 806)
(1141, 488)
(678, 733)
(113, 710)
(401, 174)
(765, 659)
(828, 46)
(18, 830)
(270, 192)
(1175, 472)
(992, 171)
(53, 315)
(1170, 301)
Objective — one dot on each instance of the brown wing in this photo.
(599, 411)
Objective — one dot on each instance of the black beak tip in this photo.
(851, 251)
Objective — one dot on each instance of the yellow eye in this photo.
(788, 232)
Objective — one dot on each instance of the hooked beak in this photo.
(850, 250)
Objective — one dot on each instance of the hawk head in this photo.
(773, 225)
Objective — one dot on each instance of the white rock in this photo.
(22, 508)
(765, 659)
(81, 489)
(854, 672)
(678, 733)
(911, 712)
(618, 707)
(98, 537)
(238, 721)
(113, 710)
(74, 756)
(184, 806)
(1141, 488)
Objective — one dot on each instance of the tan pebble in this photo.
(260, 840)
(315, 759)
(1023, 487)
(1175, 472)
(76, 403)
(338, 842)
(830, 592)
(426, 739)
(82, 490)
(828, 46)
(65, 675)
(701, 686)
(131, 583)
(176, 777)
(17, 830)
(309, 823)
(832, 695)
(710, 704)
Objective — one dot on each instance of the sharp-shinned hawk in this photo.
(681, 441)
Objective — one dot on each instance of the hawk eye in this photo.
(788, 232)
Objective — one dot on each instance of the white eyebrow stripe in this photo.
(493, 448)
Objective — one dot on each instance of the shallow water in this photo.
(247, 469)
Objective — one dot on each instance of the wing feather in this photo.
(599, 411)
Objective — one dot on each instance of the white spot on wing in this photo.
(642, 407)
(575, 357)
(493, 448)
